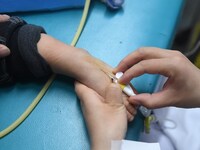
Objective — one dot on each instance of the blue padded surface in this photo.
(57, 121)
(37, 5)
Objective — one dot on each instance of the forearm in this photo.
(78, 64)
(73, 62)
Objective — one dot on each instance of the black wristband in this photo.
(21, 38)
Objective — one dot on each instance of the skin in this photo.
(106, 118)
(4, 51)
(60, 58)
(183, 78)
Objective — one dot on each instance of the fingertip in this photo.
(126, 78)
(4, 51)
(76, 82)
(4, 17)
(123, 80)
(115, 70)
(130, 117)
(130, 107)
(79, 87)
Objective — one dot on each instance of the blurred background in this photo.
(187, 39)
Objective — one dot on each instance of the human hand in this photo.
(80, 65)
(76, 63)
(4, 17)
(4, 51)
(183, 78)
(106, 118)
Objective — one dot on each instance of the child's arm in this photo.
(79, 64)
(74, 62)
(33, 53)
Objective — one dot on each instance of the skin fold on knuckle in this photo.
(123, 65)
(141, 50)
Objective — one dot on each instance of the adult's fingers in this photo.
(4, 51)
(141, 54)
(152, 101)
(152, 66)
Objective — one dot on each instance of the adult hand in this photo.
(106, 119)
(182, 88)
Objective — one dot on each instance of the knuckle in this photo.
(142, 66)
(179, 57)
(177, 53)
(176, 56)
(123, 62)
(141, 50)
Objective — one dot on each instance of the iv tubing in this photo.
(37, 99)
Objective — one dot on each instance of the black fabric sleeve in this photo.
(28, 37)
(24, 60)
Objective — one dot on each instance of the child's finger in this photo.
(87, 96)
(130, 116)
(130, 108)
(4, 17)
(4, 51)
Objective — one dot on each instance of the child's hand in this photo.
(4, 51)
(106, 118)
(80, 65)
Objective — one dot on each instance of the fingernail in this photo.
(114, 70)
(120, 80)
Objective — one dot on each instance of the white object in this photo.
(129, 91)
(126, 88)
(133, 145)
(185, 133)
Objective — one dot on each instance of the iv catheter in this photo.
(128, 90)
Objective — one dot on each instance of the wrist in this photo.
(103, 143)
(74, 62)
(101, 139)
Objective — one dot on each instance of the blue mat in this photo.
(57, 122)
(38, 5)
